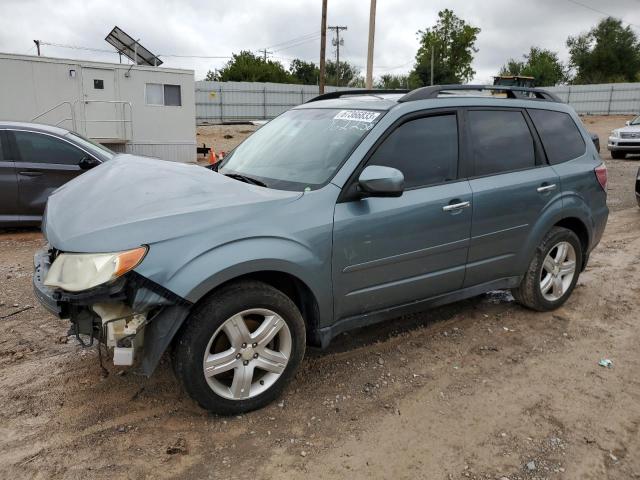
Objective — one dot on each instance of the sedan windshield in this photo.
(300, 149)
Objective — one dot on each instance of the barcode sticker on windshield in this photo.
(357, 116)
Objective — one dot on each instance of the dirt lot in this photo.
(481, 389)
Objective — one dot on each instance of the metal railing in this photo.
(71, 118)
(123, 120)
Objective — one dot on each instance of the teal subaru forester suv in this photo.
(351, 209)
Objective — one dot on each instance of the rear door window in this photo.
(39, 148)
(425, 150)
(501, 141)
(560, 135)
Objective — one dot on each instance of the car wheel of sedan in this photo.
(240, 348)
(553, 271)
(618, 155)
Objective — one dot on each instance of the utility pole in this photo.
(372, 32)
(336, 43)
(433, 49)
(37, 42)
(265, 52)
(323, 45)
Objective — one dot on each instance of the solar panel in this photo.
(126, 45)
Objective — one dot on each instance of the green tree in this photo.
(544, 65)
(390, 81)
(453, 42)
(247, 67)
(348, 74)
(303, 72)
(607, 53)
(512, 67)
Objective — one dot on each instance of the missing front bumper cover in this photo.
(145, 316)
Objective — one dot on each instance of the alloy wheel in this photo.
(247, 354)
(557, 272)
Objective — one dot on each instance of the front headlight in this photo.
(75, 272)
(615, 133)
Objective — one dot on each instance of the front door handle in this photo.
(31, 173)
(456, 206)
(547, 188)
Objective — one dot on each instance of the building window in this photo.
(159, 94)
(172, 95)
(98, 84)
(154, 95)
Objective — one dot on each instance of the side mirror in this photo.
(627, 123)
(377, 181)
(87, 163)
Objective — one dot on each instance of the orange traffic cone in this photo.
(212, 157)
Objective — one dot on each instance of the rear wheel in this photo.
(240, 348)
(553, 271)
(617, 155)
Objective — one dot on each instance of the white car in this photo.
(625, 140)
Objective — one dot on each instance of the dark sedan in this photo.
(638, 187)
(35, 160)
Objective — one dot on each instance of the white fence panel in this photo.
(218, 102)
(601, 99)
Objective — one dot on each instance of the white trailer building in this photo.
(130, 108)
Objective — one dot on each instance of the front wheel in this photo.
(240, 348)
(553, 271)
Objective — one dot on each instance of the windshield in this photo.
(300, 149)
(635, 121)
(91, 145)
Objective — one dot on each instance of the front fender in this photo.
(208, 269)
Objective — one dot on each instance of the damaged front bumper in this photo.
(135, 316)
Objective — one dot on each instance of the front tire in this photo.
(240, 347)
(553, 271)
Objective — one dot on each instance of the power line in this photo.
(195, 56)
(602, 12)
(293, 40)
(313, 39)
(103, 50)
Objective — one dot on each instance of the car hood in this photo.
(131, 201)
(629, 128)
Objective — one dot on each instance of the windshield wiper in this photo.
(244, 178)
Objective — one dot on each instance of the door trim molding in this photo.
(403, 257)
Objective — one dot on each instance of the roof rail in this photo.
(359, 91)
(425, 93)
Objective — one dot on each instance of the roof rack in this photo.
(435, 91)
(359, 91)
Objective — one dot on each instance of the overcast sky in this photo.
(221, 27)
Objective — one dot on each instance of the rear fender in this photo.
(569, 206)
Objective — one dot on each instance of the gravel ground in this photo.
(481, 389)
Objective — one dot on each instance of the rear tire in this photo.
(617, 155)
(553, 271)
(250, 339)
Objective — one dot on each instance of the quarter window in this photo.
(39, 148)
(560, 135)
(501, 141)
(159, 94)
(425, 150)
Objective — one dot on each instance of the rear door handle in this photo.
(456, 206)
(547, 188)
(31, 173)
